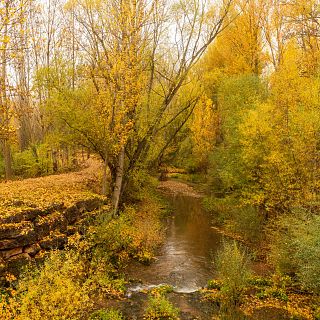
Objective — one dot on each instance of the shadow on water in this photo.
(185, 260)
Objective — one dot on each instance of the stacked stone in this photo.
(28, 233)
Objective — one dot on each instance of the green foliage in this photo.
(111, 314)
(272, 288)
(317, 313)
(236, 96)
(160, 308)
(140, 185)
(277, 293)
(259, 282)
(235, 216)
(273, 292)
(162, 290)
(214, 284)
(232, 265)
(32, 162)
(295, 247)
(221, 207)
(136, 232)
(247, 221)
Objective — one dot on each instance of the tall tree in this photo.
(140, 54)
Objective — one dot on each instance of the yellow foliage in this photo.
(203, 128)
(238, 50)
(41, 193)
(280, 141)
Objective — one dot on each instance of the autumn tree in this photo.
(135, 70)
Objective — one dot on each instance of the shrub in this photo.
(160, 308)
(232, 264)
(55, 291)
(162, 290)
(273, 292)
(135, 233)
(214, 285)
(8, 305)
(295, 248)
(32, 162)
(260, 282)
(221, 207)
(247, 221)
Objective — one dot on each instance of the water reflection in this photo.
(185, 260)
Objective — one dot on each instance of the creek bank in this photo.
(191, 305)
(34, 232)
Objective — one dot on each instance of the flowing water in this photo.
(186, 259)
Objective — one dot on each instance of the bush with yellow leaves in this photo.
(58, 290)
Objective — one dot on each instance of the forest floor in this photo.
(43, 192)
(177, 187)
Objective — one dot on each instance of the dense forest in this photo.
(100, 98)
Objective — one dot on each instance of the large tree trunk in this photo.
(118, 183)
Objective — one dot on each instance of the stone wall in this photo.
(29, 233)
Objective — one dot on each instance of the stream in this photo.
(186, 259)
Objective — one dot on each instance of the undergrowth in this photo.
(70, 283)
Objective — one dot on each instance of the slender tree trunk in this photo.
(55, 161)
(4, 101)
(7, 160)
(104, 176)
(118, 183)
